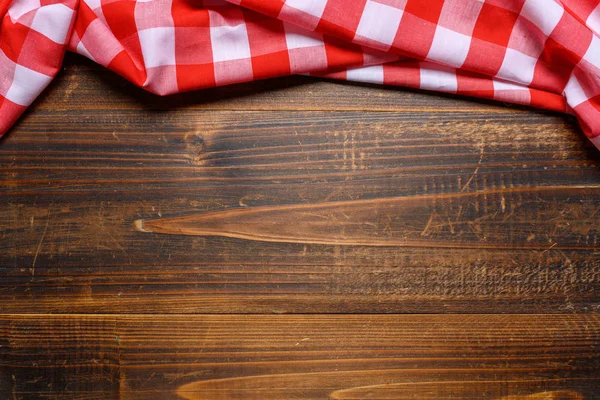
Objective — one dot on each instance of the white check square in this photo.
(371, 74)
(438, 78)
(449, 47)
(502, 85)
(22, 7)
(93, 4)
(545, 14)
(379, 22)
(26, 86)
(593, 20)
(229, 43)
(53, 21)
(517, 67)
(574, 92)
(297, 38)
(312, 7)
(158, 46)
(592, 55)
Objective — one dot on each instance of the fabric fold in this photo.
(540, 53)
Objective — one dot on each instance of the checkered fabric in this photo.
(543, 53)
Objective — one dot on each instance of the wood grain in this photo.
(310, 357)
(398, 221)
(424, 246)
(443, 175)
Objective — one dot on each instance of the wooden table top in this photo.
(295, 238)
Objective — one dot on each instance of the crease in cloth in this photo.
(540, 53)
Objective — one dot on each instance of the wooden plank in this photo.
(394, 221)
(480, 208)
(281, 357)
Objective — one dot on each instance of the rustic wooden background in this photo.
(295, 238)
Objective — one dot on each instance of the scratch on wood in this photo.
(428, 224)
(39, 247)
(474, 174)
(301, 340)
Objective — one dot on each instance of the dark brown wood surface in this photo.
(295, 238)
(301, 356)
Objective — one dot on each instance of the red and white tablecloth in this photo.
(542, 53)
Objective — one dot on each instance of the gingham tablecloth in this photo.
(542, 53)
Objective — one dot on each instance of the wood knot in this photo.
(196, 146)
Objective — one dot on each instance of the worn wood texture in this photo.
(373, 200)
(148, 246)
(308, 357)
